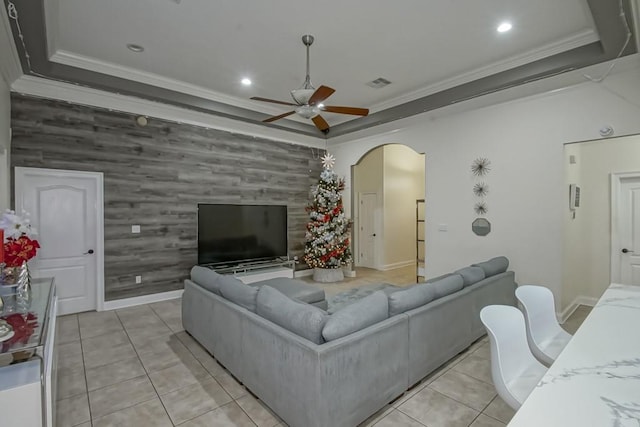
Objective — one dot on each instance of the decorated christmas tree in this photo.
(327, 236)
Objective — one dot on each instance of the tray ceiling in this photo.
(197, 51)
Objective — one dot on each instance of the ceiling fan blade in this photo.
(322, 93)
(347, 110)
(320, 123)
(274, 118)
(274, 101)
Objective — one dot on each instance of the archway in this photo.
(386, 184)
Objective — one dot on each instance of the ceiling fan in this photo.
(308, 100)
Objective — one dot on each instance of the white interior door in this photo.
(367, 230)
(628, 219)
(66, 208)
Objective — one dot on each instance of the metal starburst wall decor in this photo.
(481, 208)
(481, 189)
(481, 166)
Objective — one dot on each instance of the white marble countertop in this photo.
(596, 379)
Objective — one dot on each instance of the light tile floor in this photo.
(137, 367)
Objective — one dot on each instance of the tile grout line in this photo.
(145, 369)
(101, 388)
(233, 400)
(84, 371)
(197, 360)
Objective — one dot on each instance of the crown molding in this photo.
(570, 81)
(581, 39)
(81, 61)
(52, 89)
(10, 67)
(87, 63)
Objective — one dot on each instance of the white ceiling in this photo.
(205, 47)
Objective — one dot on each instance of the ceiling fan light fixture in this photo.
(307, 111)
(301, 96)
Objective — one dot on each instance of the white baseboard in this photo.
(578, 301)
(145, 299)
(400, 264)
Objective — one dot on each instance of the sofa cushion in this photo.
(494, 266)
(435, 279)
(296, 289)
(300, 318)
(236, 291)
(410, 298)
(471, 275)
(366, 312)
(207, 278)
(447, 286)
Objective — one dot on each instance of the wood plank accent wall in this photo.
(155, 176)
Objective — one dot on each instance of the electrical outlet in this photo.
(138, 280)
(135, 229)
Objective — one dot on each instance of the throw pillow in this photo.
(447, 286)
(494, 266)
(236, 291)
(302, 319)
(354, 317)
(207, 278)
(471, 275)
(410, 298)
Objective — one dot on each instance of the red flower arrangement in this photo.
(20, 250)
(17, 238)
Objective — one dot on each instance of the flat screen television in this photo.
(232, 234)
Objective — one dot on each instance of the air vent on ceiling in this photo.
(378, 83)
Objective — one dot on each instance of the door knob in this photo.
(374, 234)
(625, 250)
(90, 251)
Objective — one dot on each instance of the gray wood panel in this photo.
(155, 176)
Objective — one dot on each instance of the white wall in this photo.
(5, 145)
(403, 184)
(368, 178)
(524, 141)
(588, 236)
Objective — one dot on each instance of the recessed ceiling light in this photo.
(135, 47)
(246, 81)
(504, 27)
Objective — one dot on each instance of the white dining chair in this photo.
(514, 370)
(545, 336)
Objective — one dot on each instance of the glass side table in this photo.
(28, 359)
(28, 315)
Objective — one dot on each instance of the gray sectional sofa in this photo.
(319, 370)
